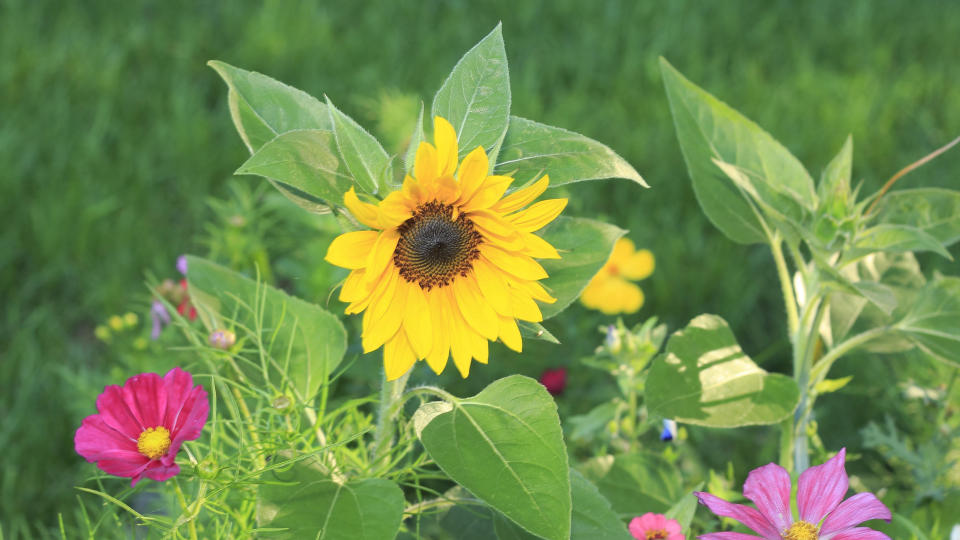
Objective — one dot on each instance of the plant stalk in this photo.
(390, 394)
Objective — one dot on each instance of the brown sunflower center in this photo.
(434, 248)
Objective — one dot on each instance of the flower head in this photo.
(821, 516)
(650, 526)
(448, 263)
(555, 380)
(140, 426)
(669, 432)
(610, 291)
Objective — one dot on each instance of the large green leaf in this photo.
(896, 239)
(593, 519)
(304, 161)
(305, 343)
(933, 320)
(835, 180)
(584, 246)
(932, 210)
(635, 483)
(261, 106)
(709, 129)
(366, 160)
(531, 150)
(505, 446)
(705, 378)
(307, 504)
(475, 98)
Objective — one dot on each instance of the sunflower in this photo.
(448, 264)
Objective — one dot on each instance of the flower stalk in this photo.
(391, 392)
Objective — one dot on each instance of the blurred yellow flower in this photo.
(610, 291)
(116, 322)
(447, 264)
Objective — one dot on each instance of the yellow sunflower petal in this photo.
(533, 289)
(418, 322)
(524, 308)
(522, 197)
(381, 254)
(425, 163)
(383, 293)
(474, 307)
(494, 288)
(366, 213)
(350, 250)
(493, 223)
(460, 336)
(480, 349)
(377, 332)
(473, 171)
(537, 215)
(537, 247)
(394, 210)
(353, 288)
(489, 193)
(639, 265)
(521, 266)
(398, 356)
(446, 139)
(440, 351)
(510, 334)
(448, 190)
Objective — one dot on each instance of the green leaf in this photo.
(475, 98)
(896, 239)
(505, 446)
(709, 129)
(415, 139)
(262, 105)
(584, 246)
(635, 483)
(593, 519)
(684, 510)
(932, 210)
(532, 330)
(531, 150)
(835, 181)
(307, 504)
(933, 320)
(305, 342)
(366, 160)
(304, 163)
(827, 386)
(704, 378)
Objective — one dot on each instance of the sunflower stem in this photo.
(391, 393)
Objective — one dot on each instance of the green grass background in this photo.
(113, 133)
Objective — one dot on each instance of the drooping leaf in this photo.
(304, 162)
(705, 378)
(709, 129)
(635, 481)
(584, 246)
(532, 330)
(932, 210)
(263, 105)
(307, 504)
(475, 98)
(932, 321)
(366, 160)
(305, 342)
(531, 150)
(896, 239)
(505, 446)
(593, 519)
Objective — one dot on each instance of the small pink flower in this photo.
(822, 515)
(650, 526)
(141, 426)
(555, 380)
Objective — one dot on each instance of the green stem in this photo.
(820, 370)
(803, 348)
(786, 286)
(391, 393)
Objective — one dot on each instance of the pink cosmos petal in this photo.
(186, 423)
(123, 467)
(142, 393)
(673, 527)
(769, 488)
(857, 533)
(731, 536)
(744, 514)
(115, 412)
(159, 472)
(820, 489)
(95, 440)
(854, 511)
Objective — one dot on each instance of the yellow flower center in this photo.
(154, 442)
(801, 530)
(434, 248)
(656, 534)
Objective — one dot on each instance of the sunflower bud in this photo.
(222, 339)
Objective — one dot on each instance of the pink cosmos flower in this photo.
(822, 515)
(141, 426)
(652, 526)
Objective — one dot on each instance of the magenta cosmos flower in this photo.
(141, 425)
(822, 515)
(652, 526)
